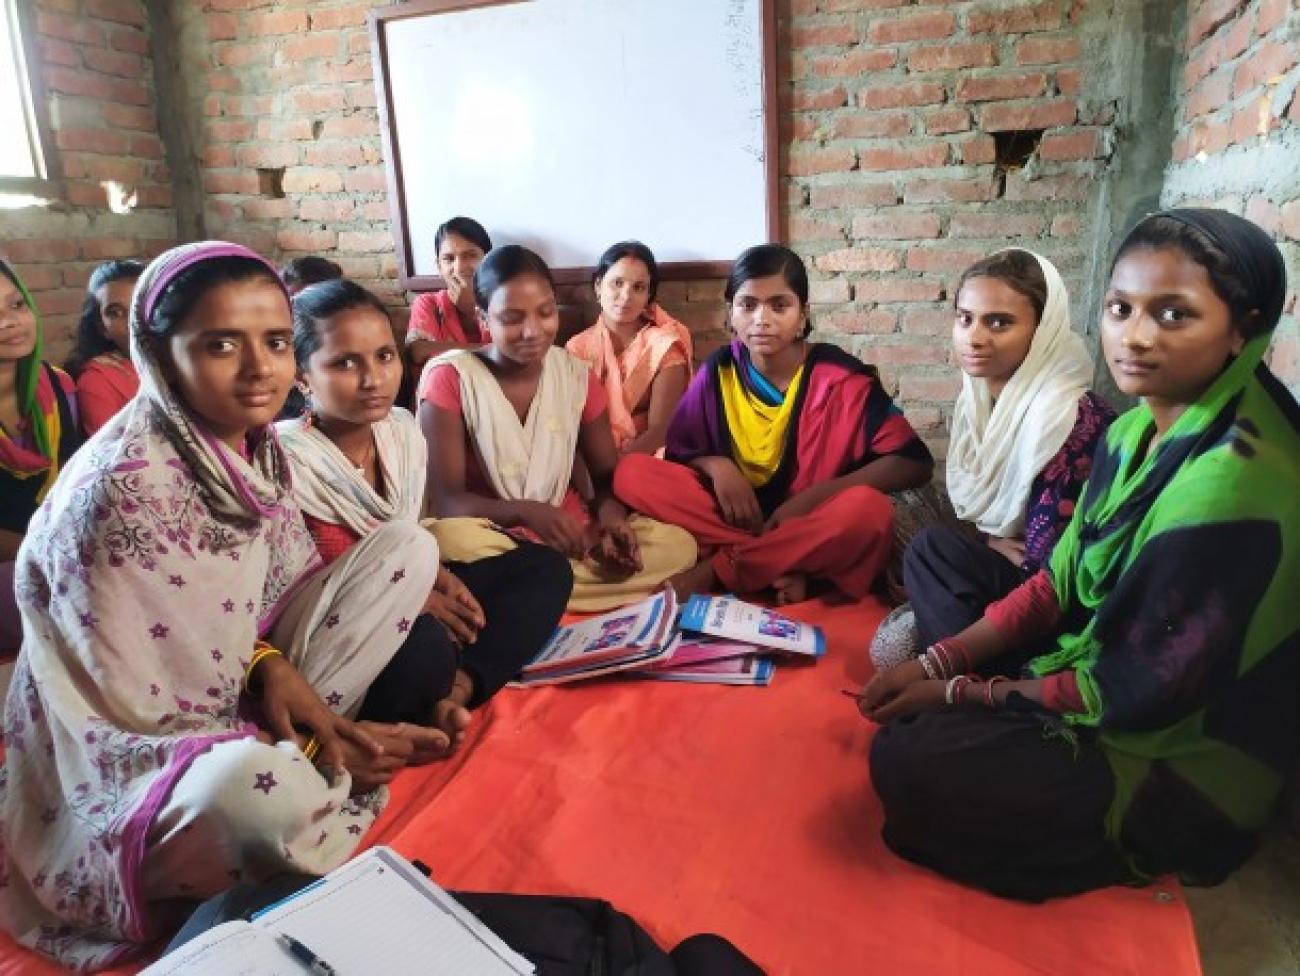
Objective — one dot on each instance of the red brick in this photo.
(365, 241)
(859, 259)
(853, 195)
(995, 225)
(349, 126)
(1291, 219)
(302, 179)
(103, 248)
(1020, 189)
(809, 162)
(921, 156)
(73, 81)
(230, 181)
(996, 87)
(229, 130)
(39, 251)
(291, 239)
(1020, 19)
(91, 140)
(325, 209)
(277, 22)
(1264, 212)
(841, 33)
(120, 11)
(924, 418)
(1238, 37)
(80, 31)
(245, 53)
(1040, 115)
(940, 260)
(803, 227)
(217, 156)
(1048, 50)
(857, 62)
(1268, 15)
(227, 81)
(1069, 81)
(1269, 61)
(853, 6)
(892, 226)
(1210, 95)
(1249, 122)
(1066, 225)
(928, 354)
(1207, 57)
(114, 63)
(129, 117)
(222, 27)
(310, 47)
(926, 26)
(121, 169)
(947, 57)
(1083, 144)
(830, 292)
(859, 321)
(1211, 138)
(803, 99)
(871, 125)
(267, 156)
(54, 51)
(977, 149)
(1208, 17)
(940, 389)
(885, 289)
(370, 179)
(972, 190)
(351, 16)
(900, 94)
(360, 96)
(942, 121)
(308, 101)
(155, 196)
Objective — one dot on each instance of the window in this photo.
(25, 156)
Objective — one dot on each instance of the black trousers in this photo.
(950, 578)
(523, 593)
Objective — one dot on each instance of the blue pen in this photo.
(305, 956)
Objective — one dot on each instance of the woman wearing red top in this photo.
(444, 320)
(106, 380)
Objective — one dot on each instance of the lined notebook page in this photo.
(232, 949)
(369, 918)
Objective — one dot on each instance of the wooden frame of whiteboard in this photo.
(674, 270)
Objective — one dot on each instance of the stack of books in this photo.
(711, 640)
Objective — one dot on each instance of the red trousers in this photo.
(847, 539)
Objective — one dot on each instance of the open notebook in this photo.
(375, 914)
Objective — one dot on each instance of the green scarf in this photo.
(1179, 584)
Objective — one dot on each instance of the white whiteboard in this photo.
(568, 125)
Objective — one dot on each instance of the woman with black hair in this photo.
(1155, 721)
(446, 319)
(187, 661)
(101, 361)
(782, 452)
(640, 352)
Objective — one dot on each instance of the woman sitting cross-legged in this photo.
(506, 425)
(1023, 433)
(1155, 720)
(359, 463)
(781, 453)
(180, 716)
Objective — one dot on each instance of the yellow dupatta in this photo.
(758, 429)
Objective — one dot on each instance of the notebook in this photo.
(375, 914)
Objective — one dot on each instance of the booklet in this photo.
(375, 914)
(748, 669)
(735, 620)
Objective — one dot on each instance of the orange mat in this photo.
(745, 811)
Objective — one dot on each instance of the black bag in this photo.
(561, 936)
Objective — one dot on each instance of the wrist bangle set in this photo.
(949, 661)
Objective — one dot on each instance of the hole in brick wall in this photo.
(1014, 149)
(317, 128)
(270, 183)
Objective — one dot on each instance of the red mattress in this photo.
(744, 811)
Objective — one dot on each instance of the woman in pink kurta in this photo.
(106, 379)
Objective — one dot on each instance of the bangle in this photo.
(928, 666)
(261, 652)
(958, 650)
(952, 694)
(989, 700)
(942, 662)
(311, 748)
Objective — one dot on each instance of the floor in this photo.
(1250, 925)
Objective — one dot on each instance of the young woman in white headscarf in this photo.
(1023, 433)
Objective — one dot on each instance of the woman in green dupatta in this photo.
(1134, 708)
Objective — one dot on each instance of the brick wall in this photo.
(95, 60)
(1238, 139)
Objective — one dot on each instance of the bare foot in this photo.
(698, 579)
(452, 718)
(791, 588)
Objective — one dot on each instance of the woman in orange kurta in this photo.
(106, 380)
(637, 350)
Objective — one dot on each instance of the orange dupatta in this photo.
(627, 377)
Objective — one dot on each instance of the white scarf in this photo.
(532, 461)
(998, 449)
(328, 487)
